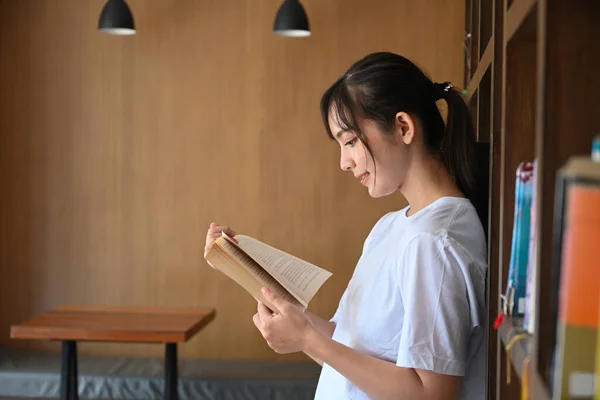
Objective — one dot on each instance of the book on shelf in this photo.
(253, 265)
(514, 296)
(532, 265)
(575, 279)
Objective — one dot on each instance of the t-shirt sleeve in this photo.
(436, 326)
(336, 315)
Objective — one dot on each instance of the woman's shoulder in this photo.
(435, 219)
(460, 229)
(445, 215)
(452, 222)
(447, 219)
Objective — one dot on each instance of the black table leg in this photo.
(171, 377)
(68, 372)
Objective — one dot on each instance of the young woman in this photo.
(411, 322)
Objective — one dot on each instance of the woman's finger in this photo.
(217, 231)
(264, 312)
(214, 232)
(257, 323)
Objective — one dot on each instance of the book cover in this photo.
(579, 284)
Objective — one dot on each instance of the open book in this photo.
(254, 265)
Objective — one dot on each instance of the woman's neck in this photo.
(426, 181)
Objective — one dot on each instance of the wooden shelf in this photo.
(537, 387)
(511, 327)
(515, 15)
(531, 85)
(482, 67)
(519, 351)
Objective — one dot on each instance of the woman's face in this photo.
(386, 171)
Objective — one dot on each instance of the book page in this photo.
(258, 272)
(299, 277)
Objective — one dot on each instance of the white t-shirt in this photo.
(417, 298)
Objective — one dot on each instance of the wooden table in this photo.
(115, 324)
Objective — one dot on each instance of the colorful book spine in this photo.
(578, 317)
(509, 294)
(530, 289)
(517, 274)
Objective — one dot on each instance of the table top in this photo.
(116, 324)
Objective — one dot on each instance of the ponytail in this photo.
(458, 142)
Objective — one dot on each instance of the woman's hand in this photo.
(286, 332)
(214, 232)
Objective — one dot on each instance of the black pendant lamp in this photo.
(291, 20)
(116, 18)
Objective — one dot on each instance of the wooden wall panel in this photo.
(117, 152)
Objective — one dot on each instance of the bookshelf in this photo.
(520, 349)
(533, 89)
(518, 353)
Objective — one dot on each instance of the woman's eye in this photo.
(350, 142)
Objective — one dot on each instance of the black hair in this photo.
(382, 84)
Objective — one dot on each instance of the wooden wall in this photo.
(117, 152)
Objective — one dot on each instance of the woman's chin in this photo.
(376, 194)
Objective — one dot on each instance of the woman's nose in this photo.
(346, 163)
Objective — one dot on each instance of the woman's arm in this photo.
(324, 326)
(291, 330)
(381, 379)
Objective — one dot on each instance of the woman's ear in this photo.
(404, 128)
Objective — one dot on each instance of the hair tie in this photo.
(440, 89)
